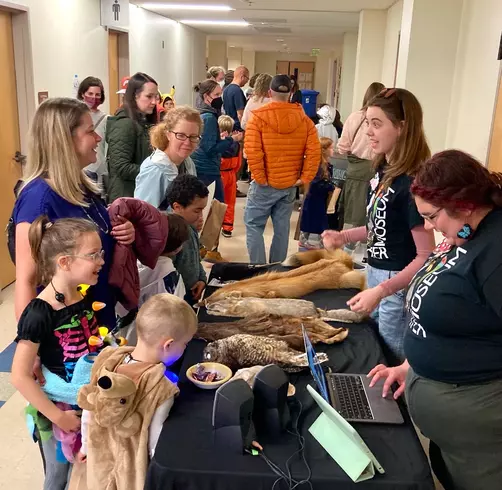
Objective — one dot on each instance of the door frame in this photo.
(23, 61)
(497, 113)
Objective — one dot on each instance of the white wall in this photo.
(349, 55)
(249, 60)
(393, 27)
(67, 39)
(477, 71)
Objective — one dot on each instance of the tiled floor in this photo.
(20, 462)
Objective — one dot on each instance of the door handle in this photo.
(19, 158)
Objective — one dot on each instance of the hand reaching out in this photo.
(391, 375)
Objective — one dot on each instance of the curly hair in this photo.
(184, 189)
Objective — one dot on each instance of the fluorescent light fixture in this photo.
(182, 6)
(234, 23)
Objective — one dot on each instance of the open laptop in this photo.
(351, 395)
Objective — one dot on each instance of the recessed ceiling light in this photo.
(234, 23)
(182, 6)
(280, 40)
(232, 46)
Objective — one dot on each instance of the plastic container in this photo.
(309, 101)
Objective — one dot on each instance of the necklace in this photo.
(107, 229)
(60, 298)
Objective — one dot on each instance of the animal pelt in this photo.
(286, 328)
(311, 256)
(246, 307)
(335, 273)
(243, 307)
(243, 350)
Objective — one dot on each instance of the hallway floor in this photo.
(20, 462)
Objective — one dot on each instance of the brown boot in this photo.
(213, 256)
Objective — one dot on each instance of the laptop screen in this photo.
(315, 365)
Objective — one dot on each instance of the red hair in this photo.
(454, 180)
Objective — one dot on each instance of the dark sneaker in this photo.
(240, 194)
(226, 234)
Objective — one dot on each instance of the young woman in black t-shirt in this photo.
(398, 244)
(453, 343)
(57, 325)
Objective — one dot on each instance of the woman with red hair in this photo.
(453, 371)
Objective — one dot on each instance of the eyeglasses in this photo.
(432, 217)
(183, 137)
(94, 257)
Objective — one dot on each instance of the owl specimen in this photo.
(244, 350)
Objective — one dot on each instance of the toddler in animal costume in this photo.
(129, 398)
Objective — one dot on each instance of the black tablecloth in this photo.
(186, 459)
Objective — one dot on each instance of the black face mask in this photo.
(217, 103)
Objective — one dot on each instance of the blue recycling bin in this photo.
(309, 101)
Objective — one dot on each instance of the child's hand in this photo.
(81, 458)
(68, 421)
(237, 136)
(197, 289)
(224, 134)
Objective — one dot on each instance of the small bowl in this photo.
(221, 369)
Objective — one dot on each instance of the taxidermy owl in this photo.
(244, 350)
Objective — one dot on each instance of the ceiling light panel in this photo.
(183, 6)
(230, 23)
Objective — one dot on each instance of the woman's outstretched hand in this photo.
(124, 233)
(332, 239)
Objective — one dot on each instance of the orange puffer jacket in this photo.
(282, 145)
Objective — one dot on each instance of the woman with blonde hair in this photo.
(174, 140)
(260, 97)
(62, 142)
(216, 73)
(398, 243)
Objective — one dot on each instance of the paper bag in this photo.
(210, 233)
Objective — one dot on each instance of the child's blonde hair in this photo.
(158, 134)
(49, 240)
(326, 144)
(226, 123)
(165, 315)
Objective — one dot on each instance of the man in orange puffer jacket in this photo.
(283, 152)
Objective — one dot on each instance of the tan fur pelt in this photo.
(334, 273)
(286, 328)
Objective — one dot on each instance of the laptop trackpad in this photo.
(385, 410)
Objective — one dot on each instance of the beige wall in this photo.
(265, 62)
(349, 54)
(393, 27)
(217, 53)
(474, 89)
(370, 48)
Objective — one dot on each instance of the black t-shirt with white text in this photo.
(391, 215)
(455, 328)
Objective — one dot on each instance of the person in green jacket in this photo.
(127, 135)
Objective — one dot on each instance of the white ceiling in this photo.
(303, 24)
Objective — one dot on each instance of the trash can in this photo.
(309, 101)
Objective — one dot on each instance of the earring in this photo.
(466, 232)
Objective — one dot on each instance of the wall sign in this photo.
(42, 96)
(115, 14)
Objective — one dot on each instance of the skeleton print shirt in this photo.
(63, 334)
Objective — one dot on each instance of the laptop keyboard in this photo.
(352, 402)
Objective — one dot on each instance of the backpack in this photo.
(11, 228)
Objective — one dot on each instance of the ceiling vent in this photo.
(254, 20)
(272, 30)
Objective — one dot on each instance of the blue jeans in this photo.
(208, 180)
(390, 315)
(263, 202)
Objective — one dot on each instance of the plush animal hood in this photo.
(122, 399)
(327, 115)
(281, 117)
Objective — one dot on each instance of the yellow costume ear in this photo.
(172, 92)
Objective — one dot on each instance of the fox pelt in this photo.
(243, 350)
(334, 273)
(286, 328)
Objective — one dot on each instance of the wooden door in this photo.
(113, 70)
(10, 170)
(495, 158)
(304, 71)
(282, 68)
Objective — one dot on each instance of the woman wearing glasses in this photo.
(207, 156)
(453, 342)
(174, 140)
(62, 142)
(398, 243)
(127, 135)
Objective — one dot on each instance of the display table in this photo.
(186, 458)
